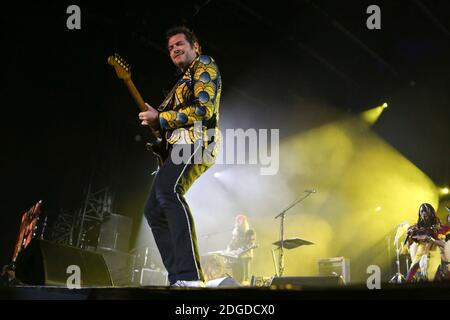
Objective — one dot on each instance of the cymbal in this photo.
(292, 243)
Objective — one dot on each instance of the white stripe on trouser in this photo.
(185, 212)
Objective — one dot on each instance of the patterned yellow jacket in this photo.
(196, 98)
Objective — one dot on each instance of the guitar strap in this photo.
(170, 96)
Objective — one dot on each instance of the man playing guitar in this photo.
(194, 100)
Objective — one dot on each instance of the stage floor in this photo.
(387, 291)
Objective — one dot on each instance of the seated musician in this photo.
(426, 241)
(241, 247)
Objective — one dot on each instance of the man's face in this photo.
(180, 50)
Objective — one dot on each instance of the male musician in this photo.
(194, 105)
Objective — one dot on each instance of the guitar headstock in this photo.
(123, 69)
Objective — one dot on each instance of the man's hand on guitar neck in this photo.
(149, 117)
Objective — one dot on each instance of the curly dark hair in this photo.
(189, 34)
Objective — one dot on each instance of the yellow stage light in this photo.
(371, 116)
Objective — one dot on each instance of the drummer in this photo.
(243, 239)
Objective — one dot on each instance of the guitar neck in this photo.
(136, 95)
(139, 101)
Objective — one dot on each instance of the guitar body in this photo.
(159, 149)
(157, 144)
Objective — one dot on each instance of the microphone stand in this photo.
(398, 277)
(281, 215)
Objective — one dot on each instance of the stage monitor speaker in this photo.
(150, 277)
(120, 265)
(225, 282)
(308, 282)
(46, 263)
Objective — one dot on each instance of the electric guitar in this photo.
(157, 143)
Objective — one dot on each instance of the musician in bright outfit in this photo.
(189, 121)
(426, 242)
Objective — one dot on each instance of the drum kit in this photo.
(216, 264)
(223, 258)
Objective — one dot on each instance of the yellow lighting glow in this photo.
(371, 116)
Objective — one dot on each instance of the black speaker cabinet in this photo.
(308, 282)
(47, 263)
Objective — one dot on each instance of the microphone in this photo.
(311, 191)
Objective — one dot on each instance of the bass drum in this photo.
(213, 266)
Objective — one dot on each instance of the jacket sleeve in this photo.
(206, 82)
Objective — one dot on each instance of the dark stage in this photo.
(439, 291)
(317, 135)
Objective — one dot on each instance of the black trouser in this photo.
(171, 220)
